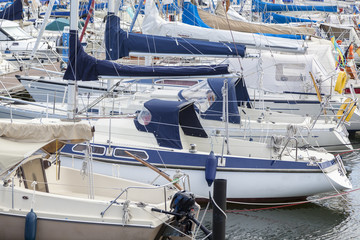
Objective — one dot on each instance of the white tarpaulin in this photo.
(220, 21)
(44, 130)
(155, 25)
(13, 152)
(21, 138)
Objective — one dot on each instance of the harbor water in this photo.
(327, 216)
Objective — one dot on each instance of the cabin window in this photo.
(17, 33)
(96, 150)
(144, 117)
(210, 97)
(3, 37)
(120, 152)
(293, 72)
(176, 82)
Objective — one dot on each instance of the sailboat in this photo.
(169, 135)
(43, 200)
(13, 39)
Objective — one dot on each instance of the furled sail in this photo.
(81, 66)
(13, 12)
(270, 17)
(219, 22)
(153, 24)
(191, 16)
(260, 6)
(120, 43)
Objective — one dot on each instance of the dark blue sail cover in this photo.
(269, 17)
(259, 6)
(289, 36)
(83, 67)
(166, 118)
(120, 43)
(242, 94)
(215, 111)
(191, 16)
(13, 12)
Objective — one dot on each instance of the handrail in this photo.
(126, 190)
(296, 147)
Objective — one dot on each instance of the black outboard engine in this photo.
(183, 205)
(183, 208)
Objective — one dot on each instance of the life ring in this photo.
(341, 82)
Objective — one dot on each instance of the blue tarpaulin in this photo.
(120, 43)
(269, 17)
(191, 16)
(215, 111)
(165, 119)
(289, 36)
(259, 6)
(13, 12)
(242, 94)
(355, 9)
(81, 66)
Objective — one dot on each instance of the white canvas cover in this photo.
(219, 21)
(44, 130)
(284, 72)
(13, 152)
(155, 25)
(232, 14)
(21, 138)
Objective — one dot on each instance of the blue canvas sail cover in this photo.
(83, 67)
(165, 118)
(269, 17)
(259, 6)
(13, 12)
(84, 9)
(191, 16)
(215, 111)
(242, 94)
(120, 43)
(289, 36)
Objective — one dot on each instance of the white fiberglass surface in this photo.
(17, 33)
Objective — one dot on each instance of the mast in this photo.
(72, 85)
(111, 11)
(43, 25)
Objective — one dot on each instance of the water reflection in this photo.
(297, 222)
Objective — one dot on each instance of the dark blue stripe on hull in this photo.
(197, 161)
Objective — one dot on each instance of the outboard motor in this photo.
(183, 208)
(183, 204)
